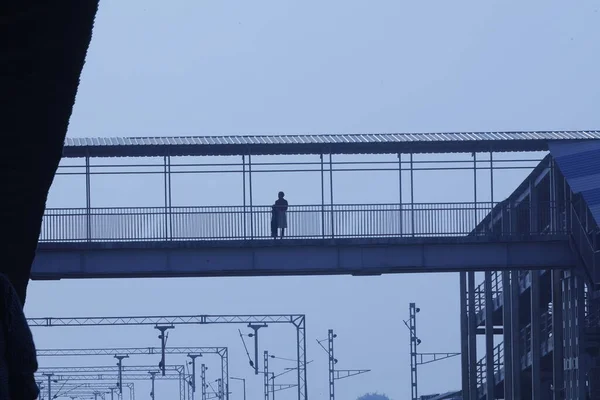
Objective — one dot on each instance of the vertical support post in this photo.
(220, 388)
(472, 338)
(331, 195)
(49, 377)
(152, 380)
(266, 374)
(515, 280)
(412, 196)
(88, 198)
(490, 380)
(300, 324)
(332, 361)
(163, 344)
(536, 329)
(272, 385)
(170, 198)
(225, 371)
(412, 327)
(464, 336)
(322, 197)
(112, 393)
(400, 216)
(558, 378)
(255, 328)
(251, 196)
(506, 331)
(193, 357)
(166, 182)
(120, 367)
(475, 190)
(491, 192)
(244, 194)
(203, 380)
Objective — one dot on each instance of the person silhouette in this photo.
(281, 205)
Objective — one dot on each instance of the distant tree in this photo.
(374, 396)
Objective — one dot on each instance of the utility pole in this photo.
(255, 328)
(336, 374)
(152, 379)
(163, 344)
(120, 366)
(220, 388)
(417, 358)
(49, 376)
(203, 380)
(266, 372)
(193, 357)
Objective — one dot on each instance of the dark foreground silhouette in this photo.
(43, 48)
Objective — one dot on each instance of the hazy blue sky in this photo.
(193, 67)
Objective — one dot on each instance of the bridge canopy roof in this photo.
(384, 143)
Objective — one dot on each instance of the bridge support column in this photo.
(536, 330)
(507, 333)
(516, 333)
(464, 336)
(489, 338)
(558, 378)
(472, 338)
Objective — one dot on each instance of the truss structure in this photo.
(191, 352)
(83, 389)
(297, 320)
(112, 376)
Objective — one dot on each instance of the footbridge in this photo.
(321, 239)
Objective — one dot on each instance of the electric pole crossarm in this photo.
(347, 373)
(283, 386)
(428, 358)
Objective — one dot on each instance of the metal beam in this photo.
(296, 257)
(536, 330)
(490, 379)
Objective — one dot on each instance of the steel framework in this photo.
(297, 320)
(107, 373)
(336, 374)
(192, 352)
(417, 358)
(68, 390)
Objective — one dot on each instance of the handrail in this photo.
(304, 222)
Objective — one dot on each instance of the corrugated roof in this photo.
(580, 165)
(383, 143)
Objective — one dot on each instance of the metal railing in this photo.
(309, 221)
(480, 292)
(482, 366)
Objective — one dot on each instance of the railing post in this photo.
(322, 198)
(331, 195)
(244, 194)
(251, 202)
(88, 198)
(412, 196)
(400, 193)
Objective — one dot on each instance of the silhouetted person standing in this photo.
(281, 205)
(43, 46)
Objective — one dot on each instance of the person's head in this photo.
(281, 194)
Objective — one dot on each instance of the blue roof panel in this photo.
(382, 143)
(579, 162)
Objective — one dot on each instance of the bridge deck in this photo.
(339, 239)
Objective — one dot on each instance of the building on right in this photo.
(541, 328)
